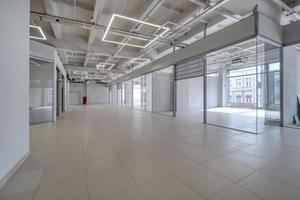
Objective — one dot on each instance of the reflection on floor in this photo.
(236, 118)
(116, 153)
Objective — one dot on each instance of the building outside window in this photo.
(238, 98)
(238, 83)
(248, 82)
(249, 99)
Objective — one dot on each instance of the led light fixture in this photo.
(39, 29)
(102, 65)
(114, 16)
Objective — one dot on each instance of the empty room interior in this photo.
(150, 100)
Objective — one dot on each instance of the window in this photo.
(248, 82)
(238, 98)
(248, 99)
(238, 83)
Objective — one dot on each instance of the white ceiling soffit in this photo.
(238, 32)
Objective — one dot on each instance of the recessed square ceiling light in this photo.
(36, 32)
(103, 65)
(115, 16)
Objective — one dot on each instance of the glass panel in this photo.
(110, 95)
(291, 77)
(128, 93)
(139, 93)
(231, 87)
(41, 92)
(119, 94)
(114, 95)
(268, 84)
(149, 92)
(243, 86)
(163, 91)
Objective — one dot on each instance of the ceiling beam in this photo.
(144, 15)
(78, 4)
(99, 6)
(51, 8)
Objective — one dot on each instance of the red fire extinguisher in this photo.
(84, 100)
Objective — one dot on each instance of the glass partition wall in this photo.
(163, 91)
(242, 84)
(41, 92)
(245, 79)
(128, 93)
(139, 93)
(121, 94)
(148, 92)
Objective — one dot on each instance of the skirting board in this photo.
(14, 169)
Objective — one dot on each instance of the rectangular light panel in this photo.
(41, 32)
(102, 65)
(114, 16)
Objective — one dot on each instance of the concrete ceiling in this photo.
(81, 47)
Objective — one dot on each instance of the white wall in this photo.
(190, 93)
(97, 94)
(14, 85)
(76, 89)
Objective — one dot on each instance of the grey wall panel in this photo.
(189, 68)
(269, 29)
(240, 31)
(291, 34)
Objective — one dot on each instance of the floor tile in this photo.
(109, 182)
(228, 169)
(235, 192)
(103, 162)
(176, 161)
(146, 171)
(284, 171)
(248, 160)
(21, 196)
(198, 154)
(56, 174)
(133, 157)
(270, 188)
(167, 188)
(75, 189)
(131, 194)
(203, 180)
(22, 182)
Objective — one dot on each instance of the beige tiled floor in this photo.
(107, 152)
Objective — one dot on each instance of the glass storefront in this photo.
(41, 92)
(139, 93)
(246, 81)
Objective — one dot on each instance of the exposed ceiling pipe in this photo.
(206, 11)
(201, 13)
(290, 11)
(84, 24)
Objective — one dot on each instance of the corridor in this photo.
(116, 153)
